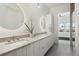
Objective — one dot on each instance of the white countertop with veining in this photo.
(4, 48)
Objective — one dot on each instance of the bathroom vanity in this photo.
(36, 46)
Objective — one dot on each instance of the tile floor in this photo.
(62, 49)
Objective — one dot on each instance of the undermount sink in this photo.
(13, 41)
(27, 39)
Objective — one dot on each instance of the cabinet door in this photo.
(50, 41)
(21, 51)
(24, 51)
(30, 50)
(36, 46)
(47, 44)
(43, 45)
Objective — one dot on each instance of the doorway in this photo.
(66, 29)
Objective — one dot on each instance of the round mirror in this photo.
(43, 23)
(11, 16)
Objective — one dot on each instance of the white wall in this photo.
(34, 13)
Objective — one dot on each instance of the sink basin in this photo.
(13, 41)
(27, 39)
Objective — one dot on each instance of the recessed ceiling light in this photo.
(38, 5)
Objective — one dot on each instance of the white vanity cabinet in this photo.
(21, 51)
(45, 44)
(17, 52)
(51, 41)
(30, 50)
(33, 49)
(11, 53)
(36, 48)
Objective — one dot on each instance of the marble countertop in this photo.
(4, 48)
